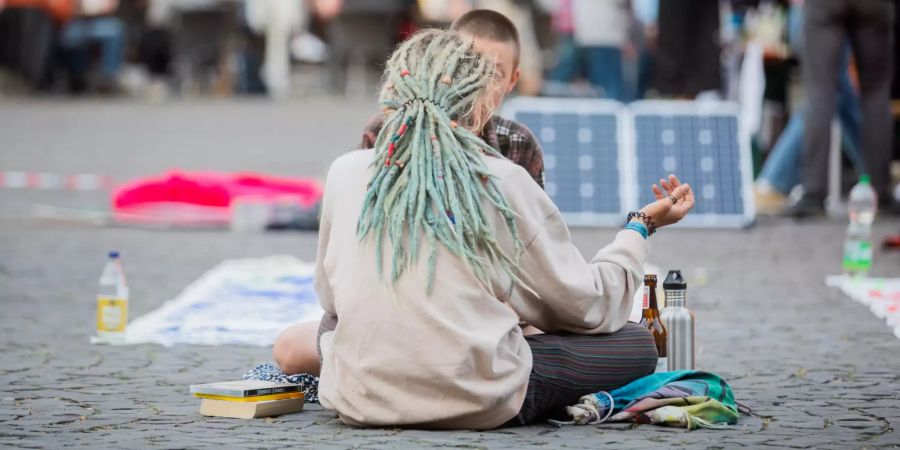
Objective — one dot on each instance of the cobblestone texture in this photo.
(817, 369)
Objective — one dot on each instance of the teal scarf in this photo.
(685, 398)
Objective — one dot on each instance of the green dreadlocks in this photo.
(430, 177)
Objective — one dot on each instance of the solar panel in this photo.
(582, 163)
(601, 157)
(701, 143)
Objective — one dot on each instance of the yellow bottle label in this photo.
(112, 314)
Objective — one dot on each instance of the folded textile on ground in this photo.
(684, 398)
(239, 302)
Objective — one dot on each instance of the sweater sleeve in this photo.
(570, 294)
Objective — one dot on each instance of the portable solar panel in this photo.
(585, 172)
(702, 143)
(601, 157)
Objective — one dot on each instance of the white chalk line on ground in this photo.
(14, 179)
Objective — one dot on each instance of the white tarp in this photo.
(249, 302)
(238, 302)
(880, 295)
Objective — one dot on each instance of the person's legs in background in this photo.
(824, 37)
(849, 115)
(566, 66)
(73, 42)
(782, 169)
(604, 70)
(78, 35)
(110, 34)
(277, 19)
(871, 37)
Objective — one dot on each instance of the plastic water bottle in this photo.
(112, 303)
(862, 205)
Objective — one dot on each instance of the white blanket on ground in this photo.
(246, 302)
(238, 302)
(881, 295)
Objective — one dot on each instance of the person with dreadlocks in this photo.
(432, 246)
(493, 35)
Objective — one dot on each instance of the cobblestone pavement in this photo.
(818, 370)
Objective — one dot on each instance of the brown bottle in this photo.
(650, 319)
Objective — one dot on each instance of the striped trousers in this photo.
(569, 366)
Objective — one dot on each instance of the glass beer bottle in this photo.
(650, 319)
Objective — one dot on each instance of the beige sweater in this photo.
(456, 359)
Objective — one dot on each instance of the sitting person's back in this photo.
(431, 249)
(455, 358)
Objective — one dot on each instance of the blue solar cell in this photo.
(582, 150)
(581, 159)
(702, 150)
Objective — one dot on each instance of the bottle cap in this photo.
(674, 281)
(113, 253)
(865, 179)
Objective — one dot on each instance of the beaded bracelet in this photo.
(651, 227)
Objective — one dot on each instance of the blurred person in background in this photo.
(495, 35)
(28, 35)
(688, 62)
(359, 32)
(782, 169)
(644, 34)
(277, 20)
(440, 13)
(567, 66)
(869, 26)
(601, 34)
(93, 24)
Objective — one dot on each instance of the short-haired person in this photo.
(494, 35)
(431, 247)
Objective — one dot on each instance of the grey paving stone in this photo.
(810, 363)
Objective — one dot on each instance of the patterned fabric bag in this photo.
(684, 398)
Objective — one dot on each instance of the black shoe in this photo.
(809, 205)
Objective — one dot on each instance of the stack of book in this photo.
(248, 399)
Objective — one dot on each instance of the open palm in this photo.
(664, 211)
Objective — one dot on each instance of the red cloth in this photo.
(209, 193)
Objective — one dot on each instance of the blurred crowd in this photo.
(619, 49)
(751, 51)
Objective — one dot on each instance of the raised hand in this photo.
(673, 202)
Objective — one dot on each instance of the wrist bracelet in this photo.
(639, 227)
(648, 221)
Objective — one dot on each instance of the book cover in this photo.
(250, 410)
(255, 398)
(244, 388)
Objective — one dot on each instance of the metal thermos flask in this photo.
(679, 321)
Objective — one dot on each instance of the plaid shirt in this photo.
(512, 139)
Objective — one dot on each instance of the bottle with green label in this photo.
(862, 204)
(112, 303)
